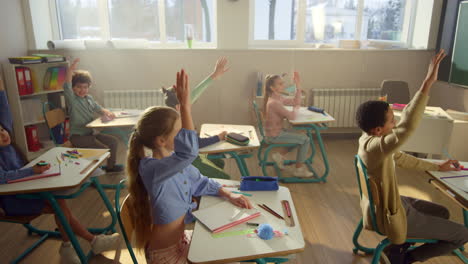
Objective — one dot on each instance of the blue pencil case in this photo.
(259, 183)
(316, 109)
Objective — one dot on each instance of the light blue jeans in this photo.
(294, 138)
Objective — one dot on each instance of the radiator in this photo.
(135, 99)
(343, 103)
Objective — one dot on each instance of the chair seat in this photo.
(19, 219)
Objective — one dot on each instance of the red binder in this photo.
(32, 138)
(21, 80)
(28, 81)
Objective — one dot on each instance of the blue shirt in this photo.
(172, 181)
(203, 142)
(10, 160)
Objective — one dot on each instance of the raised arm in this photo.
(5, 115)
(182, 89)
(67, 85)
(219, 70)
(411, 115)
(296, 101)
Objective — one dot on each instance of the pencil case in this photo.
(259, 183)
(237, 139)
(316, 109)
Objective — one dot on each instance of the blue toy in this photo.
(265, 232)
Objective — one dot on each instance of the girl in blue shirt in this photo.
(162, 186)
(12, 161)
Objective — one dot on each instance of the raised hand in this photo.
(220, 68)
(71, 69)
(432, 72)
(182, 89)
(296, 78)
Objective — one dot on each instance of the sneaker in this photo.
(278, 159)
(302, 172)
(397, 254)
(103, 243)
(68, 254)
(116, 168)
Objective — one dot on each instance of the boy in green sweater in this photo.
(82, 109)
(397, 216)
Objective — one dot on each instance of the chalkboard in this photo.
(459, 72)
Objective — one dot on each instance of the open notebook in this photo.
(224, 215)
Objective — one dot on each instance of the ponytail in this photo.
(269, 81)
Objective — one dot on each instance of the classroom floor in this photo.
(328, 214)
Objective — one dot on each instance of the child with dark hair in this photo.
(400, 217)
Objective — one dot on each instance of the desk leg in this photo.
(309, 161)
(49, 197)
(240, 163)
(465, 217)
(110, 208)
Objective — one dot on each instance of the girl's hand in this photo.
(182, 89)
(74, 64)
(40, 169)
(222, 135)
(240, 201)
(296, 79)
(433, 70)
(220, 68)
(447, 166)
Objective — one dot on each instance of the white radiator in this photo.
(135, 99)
(343, 103)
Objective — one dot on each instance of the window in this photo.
(309, 22)
(275, 20)
(163, 21)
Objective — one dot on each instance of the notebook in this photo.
(53, 171)
(224, 215)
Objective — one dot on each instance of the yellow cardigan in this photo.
(380, 155)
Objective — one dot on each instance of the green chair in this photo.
(263, 154)
(364, 189)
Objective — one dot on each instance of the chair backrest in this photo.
(396, 91)
(125, 221)
(259, 118)
(54, 117)
(365, 189)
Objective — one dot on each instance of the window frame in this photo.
(103, 10)
(299, 42)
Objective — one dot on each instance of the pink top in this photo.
(275, 112)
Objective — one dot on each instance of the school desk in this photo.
(129, 121)
(316, 122)
(451, 190)
(72, 175)
(240, 247)
(223, 148)
(433, 133)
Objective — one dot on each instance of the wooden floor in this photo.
(328, 214)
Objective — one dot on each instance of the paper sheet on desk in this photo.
(219, 131)
(460, 182)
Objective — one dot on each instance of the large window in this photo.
(306, 22)
(163, 21)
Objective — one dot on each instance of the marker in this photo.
(246, 194)
(252, 224)
(455, 164)
(42, 163)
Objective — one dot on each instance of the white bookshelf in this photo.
(22, 112)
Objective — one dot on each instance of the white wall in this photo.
(12, 30)
(229, 99)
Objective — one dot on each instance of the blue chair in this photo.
(266, 147)
(364, 189)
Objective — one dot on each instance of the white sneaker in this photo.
(105, 243)
(68, 254)
(302, 172)
(278, 159)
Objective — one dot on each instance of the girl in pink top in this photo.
(275, 112)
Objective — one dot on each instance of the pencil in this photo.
(450, 177)
(266, 208)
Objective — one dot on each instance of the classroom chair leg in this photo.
(358, 247)
(110, 208)
(32, 230)
(461, 256)
(378, 251)
(30, 249)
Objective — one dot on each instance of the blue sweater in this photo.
(10, 160)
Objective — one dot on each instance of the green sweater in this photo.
(82, 110)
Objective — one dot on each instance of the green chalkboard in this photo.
(459, 73)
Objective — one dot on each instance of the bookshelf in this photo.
(27, 109)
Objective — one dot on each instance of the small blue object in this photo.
(265, 232)
(316, 109)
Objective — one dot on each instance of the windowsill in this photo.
(229, 49)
